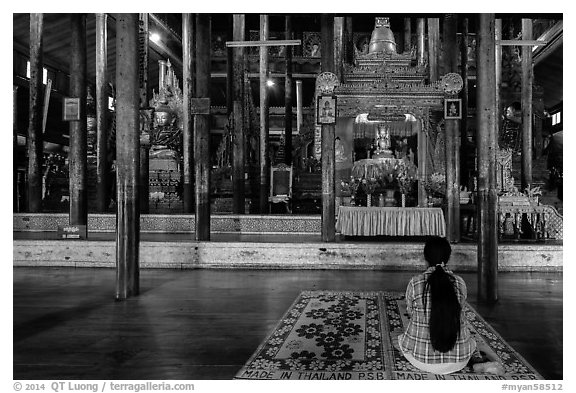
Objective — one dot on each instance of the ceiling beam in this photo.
(554, 36)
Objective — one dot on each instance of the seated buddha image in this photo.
(383, 139)
(166, 136)
(383, 143)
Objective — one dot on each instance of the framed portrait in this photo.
(326, 109)
(452, 109)
(71, 110)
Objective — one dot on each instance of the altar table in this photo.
(391, 221)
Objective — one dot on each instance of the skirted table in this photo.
(390, 221)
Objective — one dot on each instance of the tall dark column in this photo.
(420, 42)
(188, 121)
(327, 43)
(487, 196)
(230, 69)
(433, 46)
(328, 157)
(34, 144)
(202, 159)
(15, 185)
(498, 36)
(407, 35)
(238, 139)
(527, 85)
(127, 157)
(143, 41)
(264, 118)
(339, 46)
(452, 136)
(464, 178)
(78, 130)
(288, 82)
(349, 40)
(299, 116)
(450, 47)
(328, 183)
(102, 181)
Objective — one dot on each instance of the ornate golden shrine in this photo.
(390, 87)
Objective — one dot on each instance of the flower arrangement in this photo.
(435, 185)
(369, 185)
(349, 188)
(406, 176)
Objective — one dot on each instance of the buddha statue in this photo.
(165, 136)
(383, 143)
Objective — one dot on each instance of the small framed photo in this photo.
(71, 110)
(326, 109)
(453, 108)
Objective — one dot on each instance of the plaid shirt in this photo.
(416, 339)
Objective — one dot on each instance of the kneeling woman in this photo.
(437, 339)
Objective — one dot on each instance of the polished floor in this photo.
(205, 324)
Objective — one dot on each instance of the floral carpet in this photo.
(334, 335)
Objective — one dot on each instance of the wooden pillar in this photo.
(202, 160)
(288, 82)
(143, 33)
(238, 204)
(127, 157)
(527, 85)
(34, 143)
(450, 43)
(464, 153)
(453, 180)
(264, 118)
(537, 128)
(487, 196)
(349, 40)
(327, 43)
(420, 43)
(422, 152)
(144, 183)
(498, 60)
(328, 157)
(230, 70)
(298, 105)
(143, 49)
(452, 137)
(328, 183)
(78, 129)
(102, 165)
(187, 117)
(339, 46)
(15, 185)
(407, 35)
(433, 46)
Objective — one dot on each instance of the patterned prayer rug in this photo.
(335, 335)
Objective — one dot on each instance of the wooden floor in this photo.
(205, 324)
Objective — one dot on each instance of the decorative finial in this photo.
(382, 22)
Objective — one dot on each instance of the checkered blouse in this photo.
(416, 339)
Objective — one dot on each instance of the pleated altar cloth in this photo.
(390, 221)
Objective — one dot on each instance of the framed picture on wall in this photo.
(326, 107)
(71, 109)
(452, 109)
